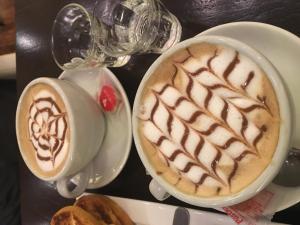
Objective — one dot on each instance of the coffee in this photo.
(43, 130)
(209, 120)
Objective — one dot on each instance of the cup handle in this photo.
(83, 181)
(158, 191)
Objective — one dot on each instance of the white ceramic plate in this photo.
(282, 48)
(116, 145)
(150, 213)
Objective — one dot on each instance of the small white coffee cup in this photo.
(160, 187)
(87, 128)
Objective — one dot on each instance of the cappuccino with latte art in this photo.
(208, 120)
(44, 129)
(60, 129)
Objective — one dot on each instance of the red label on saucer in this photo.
(250, 211)
(107, 98)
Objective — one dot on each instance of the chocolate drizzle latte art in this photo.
(47, 129)
(201, 121)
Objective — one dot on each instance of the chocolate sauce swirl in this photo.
(47, 129)
(231, 67)
(179, 127)
(247, 82)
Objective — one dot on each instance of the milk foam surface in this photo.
(47, 130)
(202, 120)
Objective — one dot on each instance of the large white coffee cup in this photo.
(159, 187)
(87, 128)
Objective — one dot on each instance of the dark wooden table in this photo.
(33, 22)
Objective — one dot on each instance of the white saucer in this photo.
(116, 145)
(282, 48)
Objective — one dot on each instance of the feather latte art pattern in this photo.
(201, 121)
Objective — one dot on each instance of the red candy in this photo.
(107, 98)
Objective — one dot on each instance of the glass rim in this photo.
(55, 25)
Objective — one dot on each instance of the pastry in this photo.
(103, 208)
(73, 215)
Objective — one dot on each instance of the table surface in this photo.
(39, 200)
